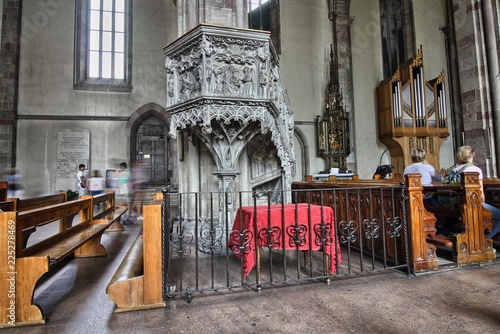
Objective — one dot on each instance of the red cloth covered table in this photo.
(300, 221)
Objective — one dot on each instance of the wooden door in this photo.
(152, 151)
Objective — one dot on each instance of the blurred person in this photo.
(124, 191)
(96, 183)
(81, 180)
(138, 181)
(15, 184)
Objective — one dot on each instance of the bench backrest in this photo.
(3, 191)
(491, 188)
(35, 217)
(106, 200)
(7, 206)
(24, 204)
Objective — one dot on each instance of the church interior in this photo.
(122, 110)
(247, 97)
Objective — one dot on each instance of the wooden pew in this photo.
(470, 246)
(352, 198)
(137, 283)
(24, 204)
(421, 224)
(109, 210)
(491, 188)
(23, 266)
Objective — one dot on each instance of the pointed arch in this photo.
(304, 150)
(137, 118)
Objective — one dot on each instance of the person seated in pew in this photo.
(383, 172)
(429, 174)
(465, 155)
(420, 166)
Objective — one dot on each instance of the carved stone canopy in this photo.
(225, 85)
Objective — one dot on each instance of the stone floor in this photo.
(465, 300)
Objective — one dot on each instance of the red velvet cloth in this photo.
(296, 231)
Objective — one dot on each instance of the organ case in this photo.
(412, 113)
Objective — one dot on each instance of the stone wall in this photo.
(9, 57)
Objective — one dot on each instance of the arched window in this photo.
(396, 20)
(103, 45)
(265, 15)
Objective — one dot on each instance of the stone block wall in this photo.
(9, 73)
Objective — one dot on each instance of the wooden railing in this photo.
(368, 206)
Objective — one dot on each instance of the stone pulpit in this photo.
(224, 86)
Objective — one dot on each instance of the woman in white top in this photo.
(465, 155)
(420, 166)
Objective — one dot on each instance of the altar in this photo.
(301, 226)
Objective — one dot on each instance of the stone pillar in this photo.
(227, 13)
(490, 25)
(338, 14)
(344, 54)
(472, 54)
(9, 77)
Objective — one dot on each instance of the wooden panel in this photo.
(153, 268)
(350, 197)
(141, 292)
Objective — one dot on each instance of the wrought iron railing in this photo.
(216, 241)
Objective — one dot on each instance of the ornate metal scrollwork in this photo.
(270, 237)
(323, 234)
(297, 235)
(348, 231)
(211, 237)
(394, 226)
(371, 228)
(242, 241)
(181, 243)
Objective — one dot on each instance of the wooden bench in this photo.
(25, 204)
(491, 188)
(469, 245)
(109, 210)
(24, 266)
(137, 283)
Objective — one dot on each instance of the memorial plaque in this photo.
(73, 149)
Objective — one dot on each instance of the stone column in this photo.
(493, 68)
(475, 92)
(227, 13)
(9, 69)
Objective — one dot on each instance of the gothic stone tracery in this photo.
(221, 82)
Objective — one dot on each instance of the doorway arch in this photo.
(148, 142)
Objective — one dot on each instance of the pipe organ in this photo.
(412, 113)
